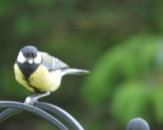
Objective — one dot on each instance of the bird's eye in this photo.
(34, 55)
(25, 54)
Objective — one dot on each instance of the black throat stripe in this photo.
(27, 70)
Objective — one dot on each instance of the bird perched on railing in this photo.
(40, 72)
(138, 124)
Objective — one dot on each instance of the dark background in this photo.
(119, 41)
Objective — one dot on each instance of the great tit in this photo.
(40, 72)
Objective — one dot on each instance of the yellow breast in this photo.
(20, 77)
(41, 79)
(44, 80)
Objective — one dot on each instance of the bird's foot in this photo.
(30, 100)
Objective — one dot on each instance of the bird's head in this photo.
(29, 55)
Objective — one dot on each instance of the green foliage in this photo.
(157, 104)
(6, 6)
(131, 100)
(127, 76)
(42, 126)
(121, 63)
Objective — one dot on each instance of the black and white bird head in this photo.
(29, 55)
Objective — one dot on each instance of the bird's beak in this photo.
(30, 60)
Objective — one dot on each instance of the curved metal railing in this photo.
(41, 109)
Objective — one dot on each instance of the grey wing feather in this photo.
(52, 63)
(74, 71)
(60, 64)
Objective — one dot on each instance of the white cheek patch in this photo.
(38, 58)
(21, 58)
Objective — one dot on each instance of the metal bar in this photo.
(35, 110)
(8, 113)
(60, 112)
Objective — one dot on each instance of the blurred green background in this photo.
(119, 41)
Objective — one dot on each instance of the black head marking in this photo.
(29, 51)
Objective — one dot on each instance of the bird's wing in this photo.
(74, 71)
(52, 63)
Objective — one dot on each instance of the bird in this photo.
(138, 124)
(40, 72)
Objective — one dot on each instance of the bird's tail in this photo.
(73, 71)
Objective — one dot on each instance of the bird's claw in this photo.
(30, 100)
